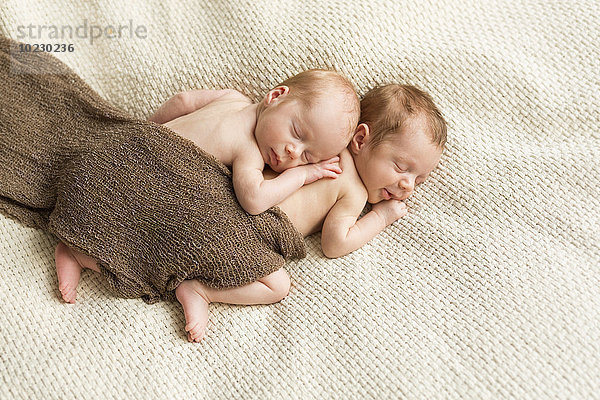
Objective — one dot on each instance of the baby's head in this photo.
(399, 141)
(308, 118)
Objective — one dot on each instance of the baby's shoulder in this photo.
(349, 181)
(234, 95)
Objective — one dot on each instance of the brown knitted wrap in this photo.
(149, 205)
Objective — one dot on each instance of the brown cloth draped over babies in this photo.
(149, 205)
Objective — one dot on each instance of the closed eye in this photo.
(400, 169)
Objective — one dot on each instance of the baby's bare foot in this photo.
(68, 271)
(192, 296)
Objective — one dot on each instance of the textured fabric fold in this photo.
(149, 205)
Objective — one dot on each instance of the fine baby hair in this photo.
(310, 86)
(386, 109)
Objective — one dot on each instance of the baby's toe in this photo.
(198, 335)
(197, 332)
(191, 338)
(191, 326)
(69, 295)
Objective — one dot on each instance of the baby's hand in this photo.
(390, 210)
(324, 169)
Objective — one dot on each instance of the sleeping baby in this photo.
(308, 118)
(396, 145)
(297, 129)
(158, 216)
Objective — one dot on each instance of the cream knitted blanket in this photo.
(489, 288)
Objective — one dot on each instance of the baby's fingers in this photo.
(332, 160)
(334, 168)
(329, 174)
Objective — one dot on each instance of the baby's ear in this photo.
(276, 94)
(360, 138)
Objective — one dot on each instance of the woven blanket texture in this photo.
(488, 289)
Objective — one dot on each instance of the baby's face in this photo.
(393, 168)
(289, 134)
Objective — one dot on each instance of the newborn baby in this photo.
(398, 142)
(396, 145)
(307, 119)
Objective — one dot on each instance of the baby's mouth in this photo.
(274, 159)
(386, 195)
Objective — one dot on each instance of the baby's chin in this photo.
(277, 169)
(374, 199)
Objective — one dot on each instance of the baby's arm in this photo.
(342, 233)
(257, 194)
(185, 103)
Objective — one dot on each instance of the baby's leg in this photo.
(195, 297)
(69, 263)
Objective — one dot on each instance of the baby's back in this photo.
(218, 126)
(308, 207)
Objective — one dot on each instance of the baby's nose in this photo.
(292, 151)
(406, 186)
